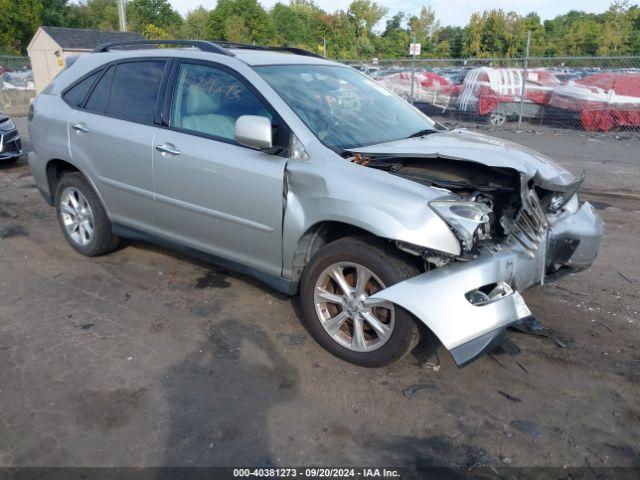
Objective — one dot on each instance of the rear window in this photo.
(134, 90)
(76, 94)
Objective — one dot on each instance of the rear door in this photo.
(213, 193)
(111, 136)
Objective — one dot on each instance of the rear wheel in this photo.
(82, 217)
(335, 285)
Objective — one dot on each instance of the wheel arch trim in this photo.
(89, 180)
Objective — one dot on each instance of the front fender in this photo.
(385, 205)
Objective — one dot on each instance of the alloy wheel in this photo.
(77, 216)
(497, 119)
(339, 298)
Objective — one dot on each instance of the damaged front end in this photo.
(515, 230)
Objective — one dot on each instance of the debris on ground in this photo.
(531, 326)
(570, 291)
(13, 231)
(433, 366)
(414, 390)
(87, 326)
(558, 341)
(527, 426)
(510, 397)
(626, 278)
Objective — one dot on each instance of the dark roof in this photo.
(87, 39)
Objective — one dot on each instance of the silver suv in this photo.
(316, 180)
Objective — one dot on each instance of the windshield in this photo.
(342, 107)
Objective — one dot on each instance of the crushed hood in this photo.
(474, 147)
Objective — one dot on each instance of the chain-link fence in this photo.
(8, 63)
(580, 93)
(17, 87)
(584, 93)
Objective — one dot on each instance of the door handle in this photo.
(80, 127)
(168, 148)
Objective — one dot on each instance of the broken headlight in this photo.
(556, 202)
(464, 218)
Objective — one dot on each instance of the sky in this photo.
(449, 12)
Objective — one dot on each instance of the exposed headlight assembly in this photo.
(7, 125)
(464, 218)
(561, 198)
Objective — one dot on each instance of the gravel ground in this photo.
(145, 357)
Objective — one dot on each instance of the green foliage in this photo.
(19, 19)
(423, 28)
(236, 30)
(395, 39)
(55, 12)
(97, 14)
(195, 23)
(340, 35)
(159, 13)
(256, 25)
(298, 24)
(354, 33)
(153, 32)
(364, 15)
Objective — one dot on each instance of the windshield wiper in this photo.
(422, 133)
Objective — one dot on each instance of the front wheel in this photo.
(334, 286)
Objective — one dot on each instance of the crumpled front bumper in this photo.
(438, 298)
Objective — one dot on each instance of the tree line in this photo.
(356, 33)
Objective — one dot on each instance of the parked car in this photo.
(315, 179)
(10, 143)
(602, 101)
(430, 90)
(496, 93)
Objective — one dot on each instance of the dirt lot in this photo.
(144, 357)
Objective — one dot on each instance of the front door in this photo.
(214, 194)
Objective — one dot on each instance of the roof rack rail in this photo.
(200, 44)
(297, 51)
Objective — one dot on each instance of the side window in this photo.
(134, 90)
(98, 99)
(76, 94)
(209, 100)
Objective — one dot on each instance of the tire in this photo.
(388, 267)
(102, 239)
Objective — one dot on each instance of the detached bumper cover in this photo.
(438, 298)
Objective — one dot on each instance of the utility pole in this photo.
(324, 47)
(524, 79)
(122, 15)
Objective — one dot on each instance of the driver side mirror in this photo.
(254, 131)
